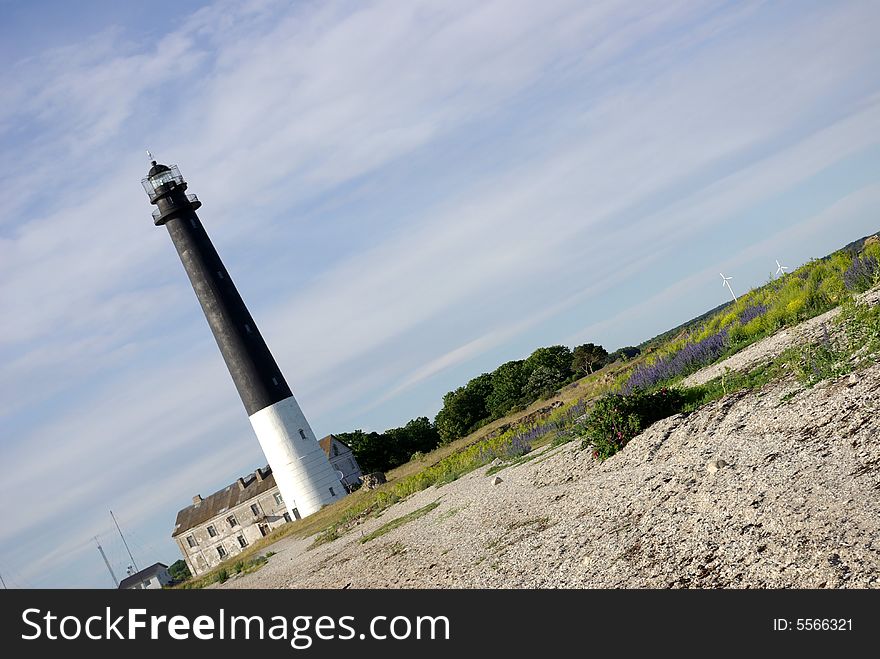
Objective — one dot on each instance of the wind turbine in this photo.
(726, 282)
(780, 269)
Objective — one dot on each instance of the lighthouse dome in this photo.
(156, 169)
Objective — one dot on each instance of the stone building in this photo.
(216, 528)
(149, 578)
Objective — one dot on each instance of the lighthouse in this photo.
(301, 468)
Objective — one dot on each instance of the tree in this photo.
(588, 357)
(371, 453)
(508, 381)
(464, 408)
(556, 358)
(383, 451)
(417, 436)
(179, 570)
(542, 382)
(623, 354)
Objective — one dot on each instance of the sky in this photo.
(406, 194)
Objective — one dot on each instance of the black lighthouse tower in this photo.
(302, 471)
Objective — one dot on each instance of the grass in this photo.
(491, 471)
(223, 572)
(810, 290)
(400, 521)
(446, 514)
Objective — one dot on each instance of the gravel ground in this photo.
(795, 503)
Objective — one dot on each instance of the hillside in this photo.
(795, 506)
(773, 351)
(773, 486)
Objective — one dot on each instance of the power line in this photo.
(136, 569)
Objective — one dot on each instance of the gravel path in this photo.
(797, 504)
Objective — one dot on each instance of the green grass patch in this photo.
(491, 471)
(446, 514)
(400, 521)
(224, 572)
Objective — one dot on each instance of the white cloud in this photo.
(544, 152)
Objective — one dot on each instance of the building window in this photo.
(247, 328)
(232, 521)
(212, 531)
(332, 493)
(192, 221)
(286, 517)
(275, 381)
(220, 274)
(221, 552)
(242, 542)
(278, 498)
(255, 509)
(302, 433)
(191, 541)
(335, 450)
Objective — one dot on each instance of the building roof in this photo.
(327, 442)
(233, 495)
(229, 497)
(146, 573)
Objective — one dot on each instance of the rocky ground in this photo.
(759, 489)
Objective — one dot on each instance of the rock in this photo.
(373, 480)
(715, 465)
(497, 480)
(496, 462)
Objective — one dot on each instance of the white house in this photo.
(152, 577)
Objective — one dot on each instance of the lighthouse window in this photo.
(247, 328)
(332, 493)
(302, 433)
(220, 275)
(275, 381)
(192, 221)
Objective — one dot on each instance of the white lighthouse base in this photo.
(302, 471)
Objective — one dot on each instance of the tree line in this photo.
(513, 385)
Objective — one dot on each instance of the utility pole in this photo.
(107, 563)
(136, 569)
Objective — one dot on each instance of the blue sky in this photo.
(406, 194)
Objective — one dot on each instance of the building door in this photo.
(264, 530)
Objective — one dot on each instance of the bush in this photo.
(222, 575)
(862, 274)
(616, 419)
(689, 358)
